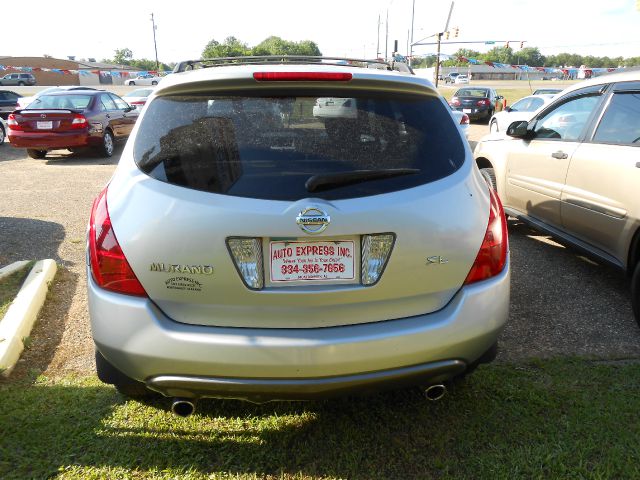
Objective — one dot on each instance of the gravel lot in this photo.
(562, 303)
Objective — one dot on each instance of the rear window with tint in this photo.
(269, 147)
(74, 102)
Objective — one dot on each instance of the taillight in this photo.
(109, 267)
(79, 121)
(465, 119)
(12, 123)
(484, 101)
(492, 256)
(455, 102)
(302, 76)
(139, 102)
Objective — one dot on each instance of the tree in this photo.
(499, 54)
(462, 52)
(122, 56)
(529, 56)
(277, 46)
(231, 47)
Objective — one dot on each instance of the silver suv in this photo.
(247, 248)
(18, 79)
(573, 170)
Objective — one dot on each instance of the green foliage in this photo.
(552, 419)
(124, 56)
(232, 47)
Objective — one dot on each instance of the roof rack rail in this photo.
(290, 59)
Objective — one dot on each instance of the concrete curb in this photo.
(22, 314)
(14, 267)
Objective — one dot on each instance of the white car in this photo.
(461, 79)
(331, 107)
(523, 109)
(462, 119)
(138, 97)
(145, 79)
(3, 131)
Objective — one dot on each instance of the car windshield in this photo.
(67, 102)
(472, 92)
(269, 147)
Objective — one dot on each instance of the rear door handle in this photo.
(559, 155)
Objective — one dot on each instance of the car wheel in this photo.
(635, 293)
(21, 84)
(107, 147)
(127, 386)
(37, 154)
(132, 83)
(489, 176)
(2, 134)
(493, 126)
(489, 115)
(154, 83)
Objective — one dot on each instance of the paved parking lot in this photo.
(561, 302)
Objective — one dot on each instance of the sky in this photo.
(339, 27)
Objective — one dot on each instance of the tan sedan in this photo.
(573, 170)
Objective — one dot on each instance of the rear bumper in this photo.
(199, 361)
(52, 141)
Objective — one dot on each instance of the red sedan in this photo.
(71, 119)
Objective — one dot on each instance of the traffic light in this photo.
(521, 44)
(507, 45)
(458, 30)
(446, 35)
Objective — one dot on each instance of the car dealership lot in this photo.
(561, 302)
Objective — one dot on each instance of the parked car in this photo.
(3, 131)
(8, 102)
(451, 77)
(71, 119)
(145, 79)
(236, 257)
(328, 107)
(24, 101)
(18, 79)
(523, 109)
(462, 119)
(572, 171)
(138, 97)
(547, 91)
(461, 79)
(477, 102)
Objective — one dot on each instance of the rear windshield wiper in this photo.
(327, 181)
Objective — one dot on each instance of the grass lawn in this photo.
(10, 286)
(564, 419)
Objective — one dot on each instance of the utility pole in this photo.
(386, 38)
(378, 44)
(155, 46)
(438, 59)
(410, 48)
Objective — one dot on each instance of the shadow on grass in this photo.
(552, 420)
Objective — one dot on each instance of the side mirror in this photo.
(499, 97)
(129, 108)
(518, 129)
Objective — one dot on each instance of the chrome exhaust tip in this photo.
(435, 392)
(183, 407)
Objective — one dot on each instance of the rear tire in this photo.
(127, 386)
(107, 147)
(2, 134)
(490, 177)
(154, 83)
(21, 84)
(132, 83)
(635, 293)
(37, 154)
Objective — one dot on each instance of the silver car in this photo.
(573, 170)
(242, 254)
